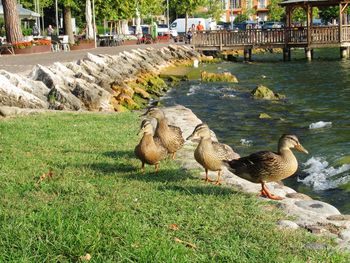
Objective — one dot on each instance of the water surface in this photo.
(316, 91)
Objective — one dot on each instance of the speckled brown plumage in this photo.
(210, 154)
(170, 136)
(265, 166)
(150, 150)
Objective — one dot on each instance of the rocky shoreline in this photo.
(317, 217)
(96, 83)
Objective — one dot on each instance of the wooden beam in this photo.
(340, 22)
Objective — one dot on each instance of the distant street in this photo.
(24, 63)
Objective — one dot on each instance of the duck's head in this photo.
(155, 113)
(201, 131)
(289, 141)
(146, 127)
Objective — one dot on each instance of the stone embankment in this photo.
(317, 217)
(95, 83)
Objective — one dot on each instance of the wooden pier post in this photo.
(309, 54)
(344, 52)
(247, 54)
(286, 54)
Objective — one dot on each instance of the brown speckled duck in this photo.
(265, 166)
(150, 150)
(210, 154)
(170, 136)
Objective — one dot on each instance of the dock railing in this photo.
(277, 37)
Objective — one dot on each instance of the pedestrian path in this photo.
(24, 63)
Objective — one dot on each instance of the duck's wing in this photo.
(160, 146)
(253, 164)
(178, 133)
(175, 129)
(225, 152)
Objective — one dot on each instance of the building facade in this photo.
(235, 7)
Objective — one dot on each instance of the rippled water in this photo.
(316, 110)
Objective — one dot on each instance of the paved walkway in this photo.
(24, 63)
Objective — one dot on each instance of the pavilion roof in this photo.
(313, 2)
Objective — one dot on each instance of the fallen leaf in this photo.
(188, 244)
(44, 176)
(87, 257)
(173, 227)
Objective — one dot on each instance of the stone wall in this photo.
(95, 83)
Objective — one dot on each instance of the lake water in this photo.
(316, 110)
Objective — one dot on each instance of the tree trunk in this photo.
(12, 21)
(68, 23)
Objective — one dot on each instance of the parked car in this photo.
(245, 25)
(223, 26)
(271, 25)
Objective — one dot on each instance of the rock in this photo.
(10, 95)
(318, 207)
(264, 116)
(339, 217)
(287, 224)
(57, 94)
(344, 160)
(345, 234)
(37, 88)
(218, 77)
(299, 196)
(93, 97)
(262, 92)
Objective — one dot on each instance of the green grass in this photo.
(98, 202)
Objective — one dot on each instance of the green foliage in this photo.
(327, 14)
(215, 9)
(299, 15)
(276, 12)
(98, 202)
(186, 6)
(241, 18)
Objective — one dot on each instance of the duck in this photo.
(266, 166)
(210, 154)
(150, 150)
(170, 136)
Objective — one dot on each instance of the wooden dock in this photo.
(285, 38)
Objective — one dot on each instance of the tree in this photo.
(276, 12)
(12, 21)
(68, 6)
(186, 7)
(327, 14)
(215, 9)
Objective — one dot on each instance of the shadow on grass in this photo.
(163, 175)
(111, 168)
(200, 190)
(119, 154)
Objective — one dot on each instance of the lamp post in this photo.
(232, 14)
(57, 26)
(167, 12)
(94, 21)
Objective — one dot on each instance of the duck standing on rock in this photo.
(150, 150)
(210, 154)
(262, 167)
(170, 136)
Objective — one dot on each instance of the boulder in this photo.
(218, 77)
(37, 88)
(263, 92)
(10, 95)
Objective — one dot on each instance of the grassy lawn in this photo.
(98, 202)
